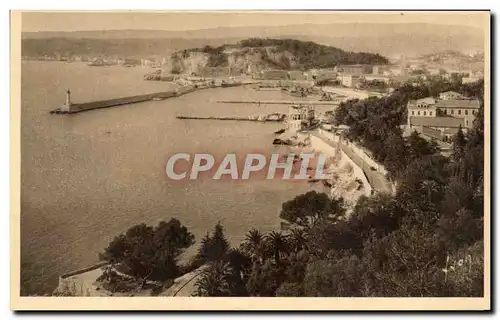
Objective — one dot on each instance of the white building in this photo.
(470, 79)
(350, 80)
(300, 117)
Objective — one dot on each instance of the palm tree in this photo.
(254, 244)
(214, 281)
(277, 244)
(297, 240)
(431, 187)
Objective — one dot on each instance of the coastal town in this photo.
(126, 145)
(353, 171)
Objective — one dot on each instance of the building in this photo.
(356, 69)
(451, 95)
(274, 75)
(440, 118)
(296, 75)
(351, 80)
(380, 70)
(385, 79)
(470, 79)
(300, 117)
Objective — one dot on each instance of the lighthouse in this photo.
(67, 104)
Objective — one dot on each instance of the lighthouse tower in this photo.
(67, 104)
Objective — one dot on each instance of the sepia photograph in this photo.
(175, 159)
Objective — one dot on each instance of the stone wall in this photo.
(72, 284)
(360, 151)
(329, 150)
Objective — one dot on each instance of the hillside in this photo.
(384, 38)
(257, 54)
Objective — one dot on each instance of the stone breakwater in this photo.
(86, 106)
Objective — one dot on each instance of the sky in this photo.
(177, 21)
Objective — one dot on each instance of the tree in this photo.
(277, 244)
(397, 155)
(310, 208)
(239, 265)
(297, 240)
(254, 244)
(149, 253)
(214, 247)
(329, 278)
(458, 144)
(290, 289)
(214, 281)
(419, 147)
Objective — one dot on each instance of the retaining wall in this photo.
(328, 149)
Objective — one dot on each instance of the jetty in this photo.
(69, 107)
(292, 102)
(274, 117)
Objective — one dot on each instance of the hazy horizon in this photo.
(190, 21)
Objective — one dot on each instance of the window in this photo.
(459, 112)
(466, 123)
(466, 112)
(413, 113)
(445, 112)
(430, 113)
(425, 113)
(474, 112)
(452, 111)
(419, 113)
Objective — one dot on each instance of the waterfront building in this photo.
(300, 117)
(351, 80)
(274, 75)
(296, 75)
(385, 79)
(380, 70)
(356, 69)
(440, 118)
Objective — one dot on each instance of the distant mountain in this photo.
(387, 39)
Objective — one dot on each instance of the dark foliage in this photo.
(150, 253)
(313, 55)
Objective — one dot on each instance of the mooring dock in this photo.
(274, 117)
(310, 102)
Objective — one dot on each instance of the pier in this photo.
(293, 102)
(274, 117)
(69, 108)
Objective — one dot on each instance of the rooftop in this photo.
(428, 100)
(473, 104)
(451, 92)
(452, 103)
(439, 122)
